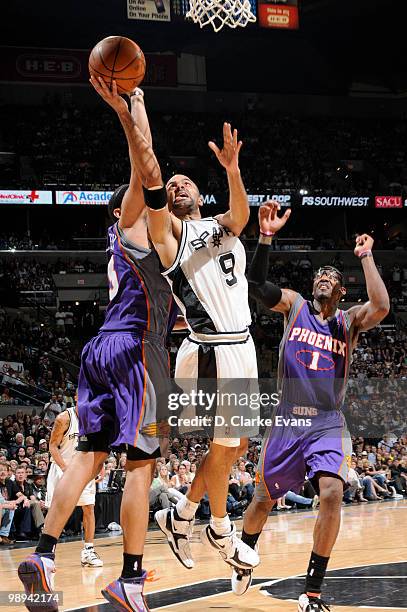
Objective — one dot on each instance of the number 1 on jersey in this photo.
(314, 361)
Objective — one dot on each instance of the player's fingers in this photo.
(239, 146)
(214, 148)
(235, 137)
(227, 133)
(94, 83)
(286, 214)
(103, 86)
(114, 87)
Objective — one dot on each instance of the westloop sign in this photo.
(254, 199)
(83, 197)
(342, 201)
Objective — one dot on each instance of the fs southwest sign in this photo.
(282, 14)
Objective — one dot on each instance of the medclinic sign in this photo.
(340, 201)
(9, 196)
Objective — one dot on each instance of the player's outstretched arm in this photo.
(271, 296)
(61, 425)
(145, 169)
(164, 229)
(238, 214)
(377, 308)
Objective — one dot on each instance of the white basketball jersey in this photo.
(208, 278)
(70, 440)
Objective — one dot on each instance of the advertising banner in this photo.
(84, 198)
(281, 14)
(22, 64)
(17, 196)
(149, 10)
(254, 199)
(335, 200)
(388, 202)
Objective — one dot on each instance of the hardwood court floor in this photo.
(369, 563)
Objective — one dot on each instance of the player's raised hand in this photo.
(269, 221)
(228, 156)
(363, 243)
(110, 96)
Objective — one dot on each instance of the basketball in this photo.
(118, 58)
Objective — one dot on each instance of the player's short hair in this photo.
(116, 201)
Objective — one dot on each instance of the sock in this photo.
(186, 509)
(315, 574)
(221, 526)
(88, 545)
(250, 539)
(132, 566)
(46, 544)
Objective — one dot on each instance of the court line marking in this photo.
(272, 582)
(261, 584)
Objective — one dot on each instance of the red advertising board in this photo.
(388, 202)
(279, 14)
(23, 64)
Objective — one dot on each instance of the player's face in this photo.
(185, 195)
(327, 285)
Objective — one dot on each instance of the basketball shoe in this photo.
(242, 578)
(232, 550)
(178, 532)
(308, 603)
(36, 573)
(90, 558)
(126, 594)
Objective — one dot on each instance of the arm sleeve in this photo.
(259, 288)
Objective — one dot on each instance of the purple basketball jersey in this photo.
(314, 358)
(140, 298)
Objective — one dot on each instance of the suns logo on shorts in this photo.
(348, 459)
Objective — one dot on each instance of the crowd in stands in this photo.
(286, 152)
(30, 274)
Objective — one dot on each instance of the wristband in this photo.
(155, 198)
(268, 234)
(367, 253)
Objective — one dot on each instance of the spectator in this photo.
(52, 409)
(7, 507)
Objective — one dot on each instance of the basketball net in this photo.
(219, 13)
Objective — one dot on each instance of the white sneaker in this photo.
(232, 550)
(311, 604)
(242, 578)
(90, 558)
(178, 532)
(395, 495)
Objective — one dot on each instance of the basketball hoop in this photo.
(218, 13)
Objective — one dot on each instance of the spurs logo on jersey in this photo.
(208, 278)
